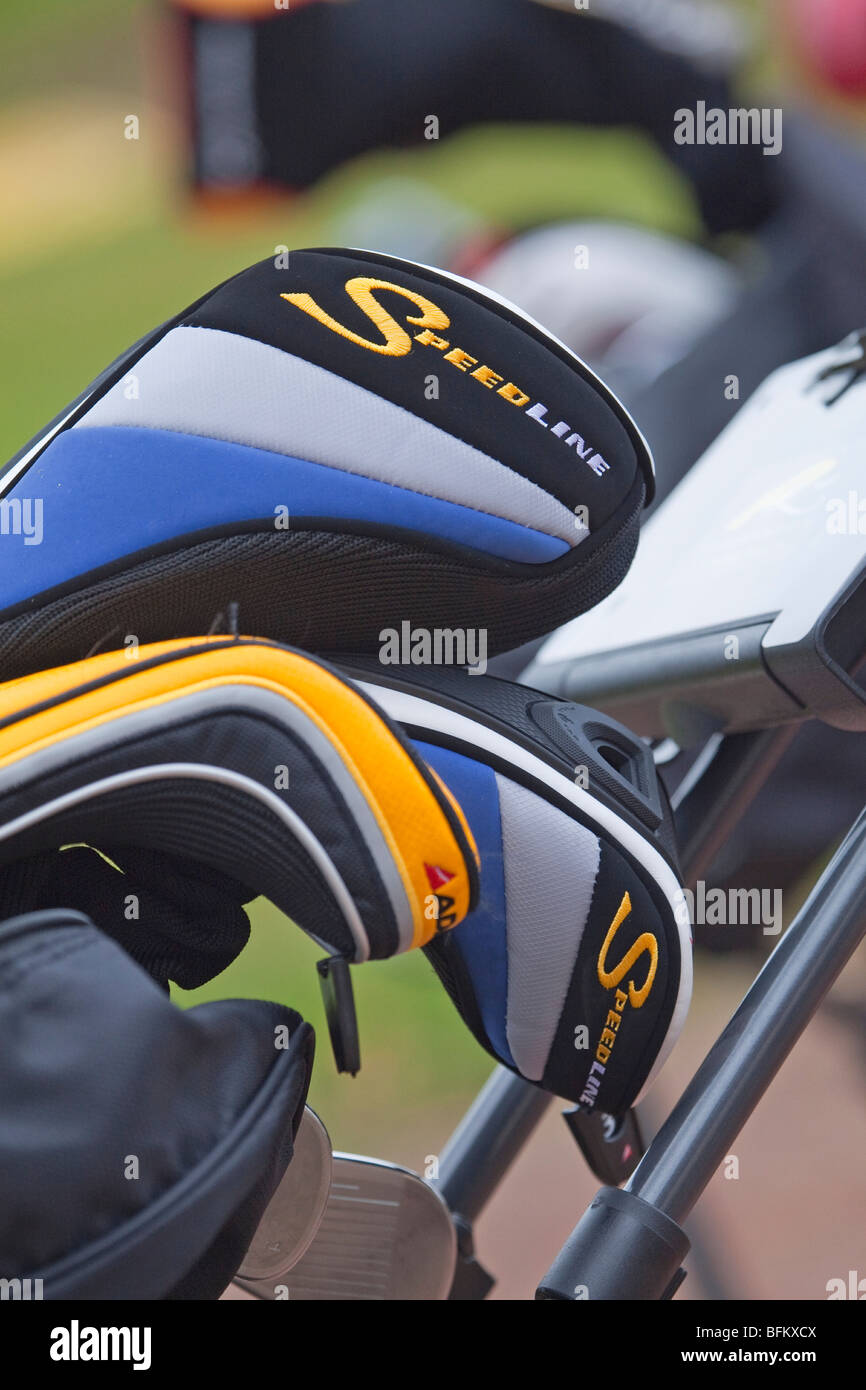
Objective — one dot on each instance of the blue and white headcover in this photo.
(333, 440)
(575, 968)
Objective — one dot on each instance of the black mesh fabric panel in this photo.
(179, 921)
(217, 826)
(325, 591)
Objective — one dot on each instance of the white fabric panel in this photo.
(409, 709)
(551, 863)
(223, 386)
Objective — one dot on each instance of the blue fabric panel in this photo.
(108, 492)
(481, 937)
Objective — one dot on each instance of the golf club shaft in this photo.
(487, 1140)
(717, 791)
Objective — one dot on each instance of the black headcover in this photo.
(139, 1143)
(379, 68)
(337, 442)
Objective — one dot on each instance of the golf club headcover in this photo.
(575, 968)
(140, 1143)
(604, 64)
(336, 441)
(208, 773)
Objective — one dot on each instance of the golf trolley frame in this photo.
(629, 1244)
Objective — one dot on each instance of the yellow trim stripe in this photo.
(411, 820)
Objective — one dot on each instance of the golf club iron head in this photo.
(293, 1215)
(384, 1235)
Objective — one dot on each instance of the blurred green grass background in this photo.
(87, 271)
(97, 247)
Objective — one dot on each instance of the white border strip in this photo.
(13, 473)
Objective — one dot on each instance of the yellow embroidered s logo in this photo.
(645, 942)
(360, 289)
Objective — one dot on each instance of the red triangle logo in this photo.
(436, 877)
